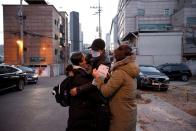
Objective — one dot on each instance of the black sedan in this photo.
(32, 76)
(176, 71)
(150, 77)
(11, 77)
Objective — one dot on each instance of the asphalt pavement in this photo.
(35, 109)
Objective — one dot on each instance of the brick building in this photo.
(45, 36)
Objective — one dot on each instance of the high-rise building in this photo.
(114, 34)
(74, 31)
(81, 38)
(44, 30)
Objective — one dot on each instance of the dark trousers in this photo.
(103, 118)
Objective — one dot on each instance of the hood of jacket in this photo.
(128, 65)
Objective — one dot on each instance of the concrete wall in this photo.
(159, 48)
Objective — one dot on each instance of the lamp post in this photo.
(99, 14)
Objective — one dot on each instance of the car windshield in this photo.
(25, 68)
(149, 69)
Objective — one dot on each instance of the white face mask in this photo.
(95, 53)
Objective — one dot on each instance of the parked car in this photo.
(32, 76)
(150, 77)
(1, 59)
(176, 71)
(11, 77)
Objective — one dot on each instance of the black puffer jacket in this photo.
(102, 112)
(82, 110)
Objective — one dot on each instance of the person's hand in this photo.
(89, 69)
(108, 76)
(73, 91)
(95, 73)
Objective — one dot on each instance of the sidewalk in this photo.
(158, 115)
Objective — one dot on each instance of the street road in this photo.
(33, 109)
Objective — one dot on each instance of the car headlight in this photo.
(167, 78)
(35, 75)
(144, 78)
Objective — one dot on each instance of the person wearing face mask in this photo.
(98, 53)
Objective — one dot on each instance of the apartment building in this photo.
(184, 19)
(144, 15)
(160, 15)
(139, 18)
(45, 36)
(114, 38)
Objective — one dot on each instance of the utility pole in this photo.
(99, 14)
(21, 43)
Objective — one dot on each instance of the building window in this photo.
(166, 12)
(56, 51)
(56, 37)
(191, 21)
(154, 26)
(141, 12)
(55, 22)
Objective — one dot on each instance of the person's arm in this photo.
(82, 89)
(113, 84)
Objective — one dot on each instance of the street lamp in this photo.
(44, 48)
(20, 51)
(99, 14)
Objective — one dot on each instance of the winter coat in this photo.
(121, 90)
(82, 111)
(102, 116)
(86, 112)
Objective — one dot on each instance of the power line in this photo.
(34, 34)
(99, 14)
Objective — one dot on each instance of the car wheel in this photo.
(20, 85)
(139, 85)
(35, 82)
(184, 78)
